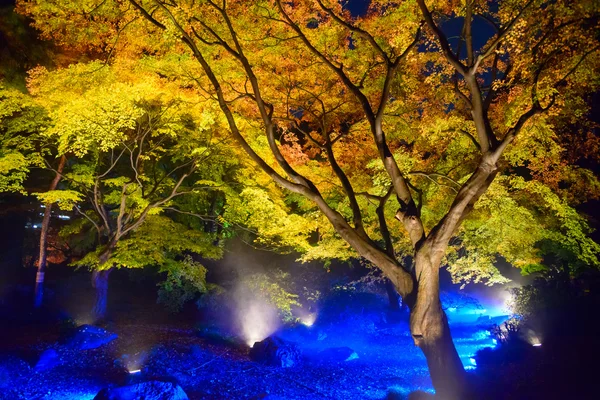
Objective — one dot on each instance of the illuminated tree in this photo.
(21, 150)
(20, 123)
(381, 117)
(134, 150)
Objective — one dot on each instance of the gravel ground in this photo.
(208, 366)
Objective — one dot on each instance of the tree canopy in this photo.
(317, 68)
(439, 130)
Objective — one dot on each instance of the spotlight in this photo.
(134, 371)
(308, 320)
(250, 342)
(537, 345)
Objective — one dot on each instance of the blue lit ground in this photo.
(220, 369)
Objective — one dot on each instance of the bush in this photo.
(184, 281)
(555, 314)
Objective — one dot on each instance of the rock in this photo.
(338, 354)
(151, 390)
(393, 395)
(420, 395)
(275, 351)
(88, 337)
(48, 360)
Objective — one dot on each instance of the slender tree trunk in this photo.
(431, 332)
(393, 296)
(100, 283)
(41, 264)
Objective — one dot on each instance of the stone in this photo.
(150, 390)
(420, 395)
(48, 360)
(277, 352)
(88, 337)
(338, 354)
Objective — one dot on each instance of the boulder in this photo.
(275, 351)
(88, 337)
(151, 390)
(48, 360)
(338, 354)
(420, 395)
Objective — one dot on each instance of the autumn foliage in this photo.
(441, 130)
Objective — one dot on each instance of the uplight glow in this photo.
(258, 321)
(308, 320)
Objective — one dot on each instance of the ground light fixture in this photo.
(308, 320)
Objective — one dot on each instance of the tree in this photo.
(22, 147)
(376, 118)
(21, 122)
(134, 150)
(42, 258)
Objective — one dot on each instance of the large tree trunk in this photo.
(431, 332)
(41, 264)
(445, 367)
(100, 283)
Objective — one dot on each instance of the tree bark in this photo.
(100, 283)
(431, 332)
(41, 264)
(445, 367)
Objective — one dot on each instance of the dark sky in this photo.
(356, 7)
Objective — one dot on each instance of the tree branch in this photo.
(502, 34)
(383, 227)
(356, 29)
(452, 59)
(401, 279)
(431, 175)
